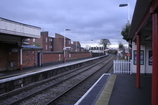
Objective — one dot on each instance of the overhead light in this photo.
(123, 5)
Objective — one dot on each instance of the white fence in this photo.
(122, 66)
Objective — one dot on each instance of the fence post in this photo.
(131, 69)
(122, 66)
(114, 65)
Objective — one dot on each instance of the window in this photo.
(50, 39)
(69, 55)
(46, 39)
(46, 47)
(33, 39)
(50, 46)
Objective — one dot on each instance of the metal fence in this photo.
(122, 66)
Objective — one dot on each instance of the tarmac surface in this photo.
(126, 93)
(120, 89)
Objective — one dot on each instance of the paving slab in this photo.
(126, 93)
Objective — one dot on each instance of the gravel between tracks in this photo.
(51, 93)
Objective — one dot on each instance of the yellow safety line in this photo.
(106, 93)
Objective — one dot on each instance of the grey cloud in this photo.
(88, 19)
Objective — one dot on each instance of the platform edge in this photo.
(107, 91)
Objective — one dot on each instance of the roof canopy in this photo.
(29, 47)
(141, 21)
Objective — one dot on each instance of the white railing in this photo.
(122, 66)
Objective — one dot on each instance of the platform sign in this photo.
(128, 54)
(141, 57)
(150, 58)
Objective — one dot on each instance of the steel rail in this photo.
(20, 100)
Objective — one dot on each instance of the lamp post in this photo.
(128, 13)
(75, 46)
(123, 5)
(76, 41)
(65, 45)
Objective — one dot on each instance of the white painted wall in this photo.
(145, 68)
(20, 29)
(148, 68)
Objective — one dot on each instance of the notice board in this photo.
(141, 57)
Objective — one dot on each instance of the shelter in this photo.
(12, 37)
(144, 40)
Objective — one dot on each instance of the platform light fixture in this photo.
(128, 13)
(65, 44)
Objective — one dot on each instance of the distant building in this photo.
(44, 41)
(54, 44)
(59, 42)
(96, 49)
(76, 46)
(47, 41)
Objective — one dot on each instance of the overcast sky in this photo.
(87, 19)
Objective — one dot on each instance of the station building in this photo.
(12, 51)
(144, 40)
(25, 46)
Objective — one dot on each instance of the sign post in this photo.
(128, 54)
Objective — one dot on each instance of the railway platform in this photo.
(126, 93)
(34, 70)
(12, 80)
(119, 89)
(111, 89)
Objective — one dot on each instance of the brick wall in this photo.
(8, 56)
(49, 57)
(10, 53)
(29, 58)
(58, 42)
(47, 41)
(50, 43)
(3, 59)
(77, 55)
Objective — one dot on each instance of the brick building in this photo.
(44, 41)
(23, 45)
(12, 36)
(47, 41)
(76, 46)
(54, 44)
(59, 42)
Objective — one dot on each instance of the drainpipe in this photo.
(21, 58)
(22, 39)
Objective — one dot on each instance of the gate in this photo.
(122, 66)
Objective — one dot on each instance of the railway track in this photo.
(71, 96)
(52, 90)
